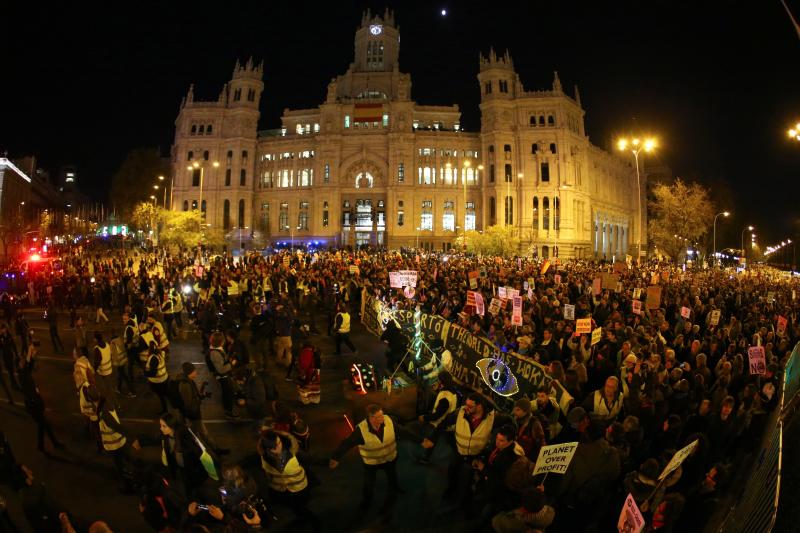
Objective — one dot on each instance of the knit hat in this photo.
(187, 368)
(524, 404)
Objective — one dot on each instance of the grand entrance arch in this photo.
(364, 206)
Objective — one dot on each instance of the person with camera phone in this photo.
(239, 506)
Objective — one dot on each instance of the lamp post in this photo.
(724, 213)
(161, 179)
(197, 165)
(467, 164)
(635, 146)
(744, 252)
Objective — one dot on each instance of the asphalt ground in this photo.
(84, 482)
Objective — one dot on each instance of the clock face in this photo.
(376, 29)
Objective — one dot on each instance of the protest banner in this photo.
(637, 307)
(511, 293)
(409, 292)
(609, 280)
(583, 325)
(516, 314)
(555, 459)
(630, 519)
(597, 287)
(531, 283)
(619, 287)
(679, 457)
(473, 279)
(410, 277)
(714, 318)
(758, 361)
(637, 293)
(501, 293)
(653, 297)
(479, 307)
(494, 306)
(654, 278)
(620, 267)
(464, 349)
(525, 285)
(395, 280)
(686, 312)
(781, 329)
(597, 335)
(569, 312)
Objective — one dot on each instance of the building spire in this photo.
(556, 82)
(577, 95)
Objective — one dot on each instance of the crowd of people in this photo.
(664, 375)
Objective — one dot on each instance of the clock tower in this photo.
(377, 43)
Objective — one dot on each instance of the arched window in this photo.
(553, 148)
(541, 123)
(205, 155)
(532, 120)
(535, 223)
(227, 177)
(229, 158)
(241, 214)
(194, 205)
(491, 148)
(186, 205)
(492, 210)
(194, 129)
(226, 215)
(364, 179)
(534, 148)
(551, 121)
(190, 156)
(545, 251)
(546, 217)
(242, 177)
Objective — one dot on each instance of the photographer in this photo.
(188, 400)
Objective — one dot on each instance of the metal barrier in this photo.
(757, 506)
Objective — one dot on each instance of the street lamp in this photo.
(724, 213)
(635, 146)
(291, 234)
(161, 179)
(197, 165)
(744, 252)
(467, 164)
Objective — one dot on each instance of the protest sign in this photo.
(714, 319)
(286, 261)
(686, 312)
(510, 293)
(479, 307)
(597, 335)
(531, 283)
(409, 292)
(630, 519)
(501, 292)
(525, 285)
(637, 307)
(758, 361)
(583, 325)
(569, 312)
(410, 277)
(781, 326)
(653, 297)
(596, 287)
(494, 306)
(516, 314)
(654, 278)
(473, 279)
(609, 280)
(637, 293)
(620, 267)
(555, 459)
(557, 278)
(619, 287)
(679, 457)
(530, 294)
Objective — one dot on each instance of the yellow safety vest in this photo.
(452, 400)
(147, 337)
(119, 355)
(374, 451)
(345, 328)
(104, 368)
(161, 372)
(111, 439)
(601, 410)
(88, 408)
(292, 479)
(472, 443)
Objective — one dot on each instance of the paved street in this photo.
(84, 481)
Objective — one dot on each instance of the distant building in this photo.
(370, 166)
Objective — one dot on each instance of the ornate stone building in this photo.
(371, 166)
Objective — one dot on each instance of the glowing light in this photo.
(444, 12)
(36, 257)
(498, 376)
(187, 289)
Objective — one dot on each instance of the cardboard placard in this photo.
(473, 279)
(653, 297)
(501, 292)
(781, 329)
(516, 313)
(637, 293)
(531, 283)
(583, 325)
(619, 287)
(637, 307)
(677, 459)
(525, 285)
(479, 307)
(686, 312)
(714, 318)
(620, 267)
(494, 306)
(758, 360)
(630, 518)
(555, 459)
(609, 280)
(510, 293)
(597, 335)
(569, 312)
(597, 286)
(557, 278)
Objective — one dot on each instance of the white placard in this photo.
(637, 307)
(516, 315)
(679, 457)
(630, 518)
(715, 317)
(758, 360)
(555, 459)
(569, 312)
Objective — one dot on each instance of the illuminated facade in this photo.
(369, 166)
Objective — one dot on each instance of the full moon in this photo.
(444, 12)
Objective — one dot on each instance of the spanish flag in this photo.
(367, 112)
(545, 266)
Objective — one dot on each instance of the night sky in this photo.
(717, 82)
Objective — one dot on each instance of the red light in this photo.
(35, 257)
